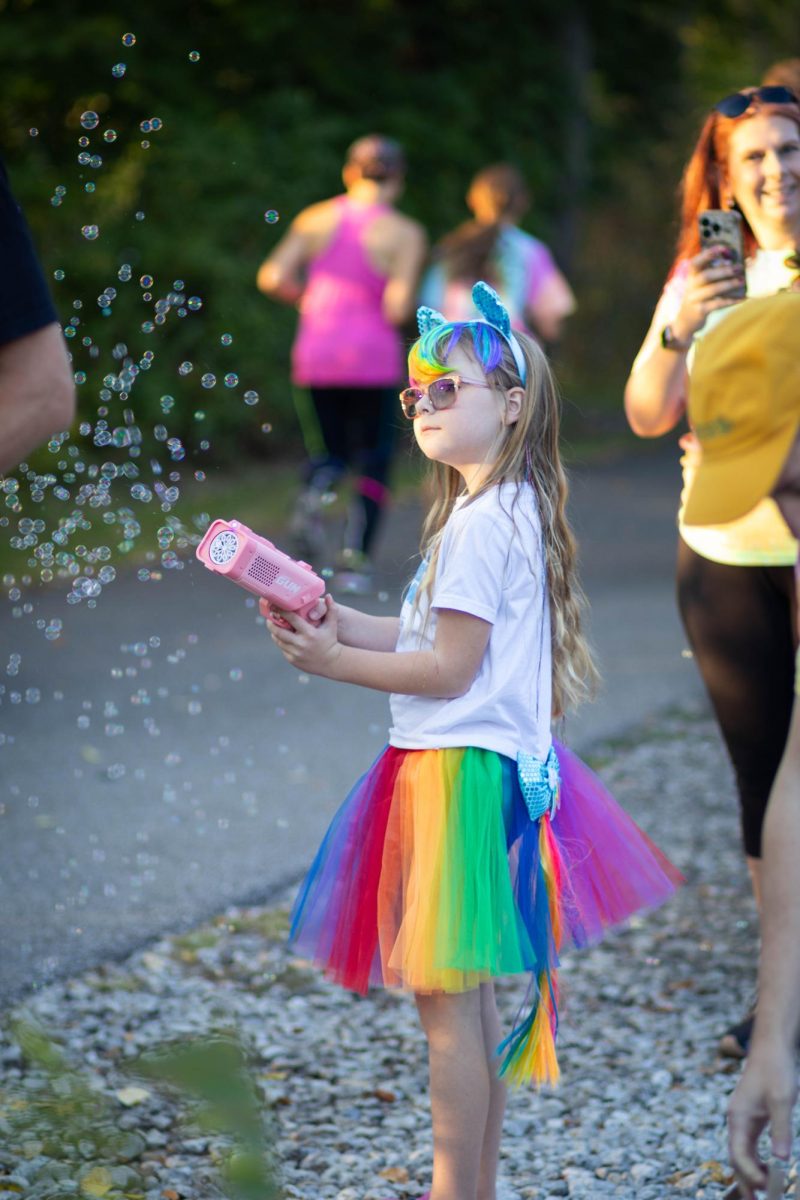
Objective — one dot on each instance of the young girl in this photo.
(473, 848)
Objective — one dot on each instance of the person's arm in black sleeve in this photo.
(37, 393)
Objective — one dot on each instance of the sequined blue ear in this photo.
(428, 318)
(491, 307)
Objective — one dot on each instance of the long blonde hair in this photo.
(529, 453)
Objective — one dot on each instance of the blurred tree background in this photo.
(597, 103)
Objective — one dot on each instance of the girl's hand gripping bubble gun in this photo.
(231, 549)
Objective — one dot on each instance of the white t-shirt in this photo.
(490, 565)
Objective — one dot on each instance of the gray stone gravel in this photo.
(639, 1113)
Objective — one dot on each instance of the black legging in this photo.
(357, 425)
(740, 622)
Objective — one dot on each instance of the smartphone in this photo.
(722, 227)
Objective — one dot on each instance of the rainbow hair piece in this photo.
(428, 355)
(529, 1052)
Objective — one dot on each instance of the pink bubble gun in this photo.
(231, 549)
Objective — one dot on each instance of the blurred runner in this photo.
(491, 247)
(352, 266)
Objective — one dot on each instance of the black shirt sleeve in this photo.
(25, 301)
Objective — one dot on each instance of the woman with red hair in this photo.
(735, 581)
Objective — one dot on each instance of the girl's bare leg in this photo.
(461, 1091)
(490, 1151)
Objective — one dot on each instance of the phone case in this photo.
(231, 549)
(722, 227)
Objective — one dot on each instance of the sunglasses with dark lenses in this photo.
(441, 393)
(739, 102)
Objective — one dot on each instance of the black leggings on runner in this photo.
(357, 425)
(740, 622)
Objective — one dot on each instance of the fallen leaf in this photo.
(132, 1095)
(395, 1174)
(97, 1182)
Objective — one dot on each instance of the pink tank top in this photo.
(343, 338)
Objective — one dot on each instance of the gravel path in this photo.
(639, 1113)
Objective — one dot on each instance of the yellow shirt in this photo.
(762, 537)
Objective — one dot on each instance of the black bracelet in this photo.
(670, 342)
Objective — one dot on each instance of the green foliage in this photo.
(597, 103)
(57, 1112)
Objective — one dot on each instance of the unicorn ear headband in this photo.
(493, 312)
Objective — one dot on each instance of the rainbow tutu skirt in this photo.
(434, 878)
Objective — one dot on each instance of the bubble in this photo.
(139, 216)
(89, 187)
(129, 39)
(124, 273)
(84, 141)
(116, 770)
(95, 161)
(156, 123)
(185, 368)
(251, 397)
(90, 119)
(208, 380)
(266, 427)
(90, 232)
(194, 708)
(167, 403)
(194, 303)
(194, 56)
(236, 674)
(200, 476)
(231, 379)
(145, 144)
(32, 695)
(84, 158)
(118, 70)
(80, 377)
(110, 135)
(199, 415)
(33, 131)
(271, 216)
(146, 281)
(145, 126)
(59, 274)
(226, 339)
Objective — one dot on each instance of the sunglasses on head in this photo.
(441, 393)
(739, 102)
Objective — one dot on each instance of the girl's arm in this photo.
(361, 629)
(356, 628)
(444, 672)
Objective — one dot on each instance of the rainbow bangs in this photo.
(428, 356)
